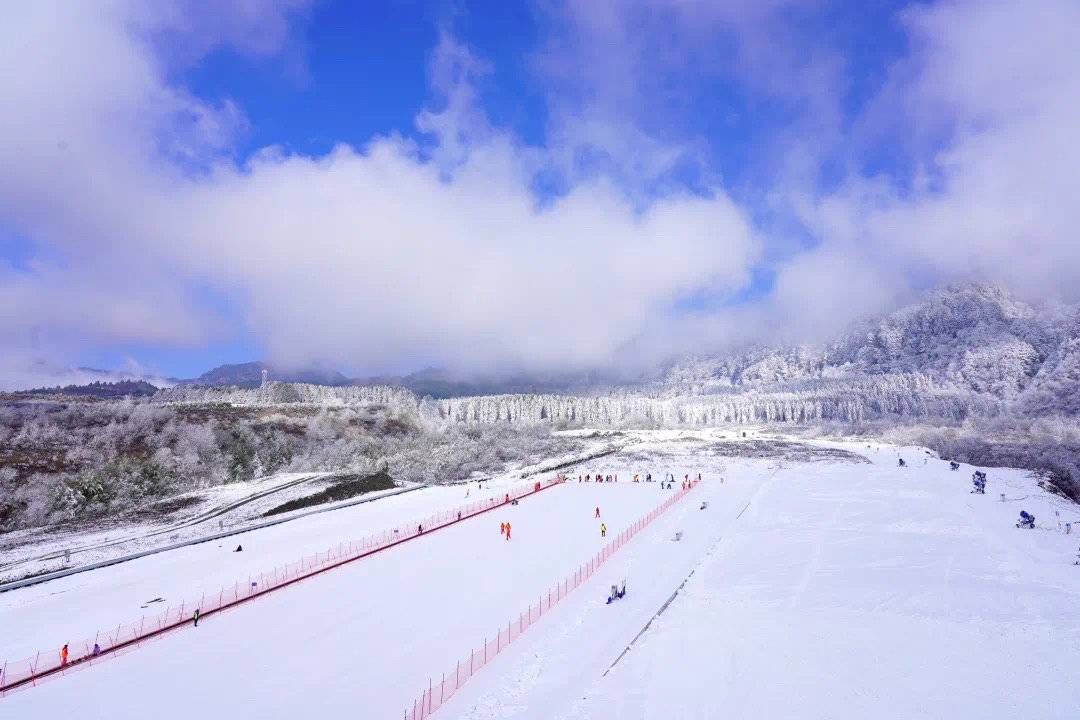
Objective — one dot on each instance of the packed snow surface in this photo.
(812, 586)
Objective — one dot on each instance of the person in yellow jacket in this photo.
(603, 530)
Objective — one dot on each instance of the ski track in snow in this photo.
(819, 590)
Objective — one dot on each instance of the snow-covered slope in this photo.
(820, 591)
(974, 339)
(823, 586)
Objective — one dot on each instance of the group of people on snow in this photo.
(666, 484)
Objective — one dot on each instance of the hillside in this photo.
(974, 339)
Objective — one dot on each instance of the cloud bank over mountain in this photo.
(136, 222)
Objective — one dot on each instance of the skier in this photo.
(902, 463)
(419, 529)
(96, 651)
(954, 465)
(1027, 520)
(239, 548)
(64, 654)
(507, 531)
(195, 617)
(699, 477)
(502, 528)
(603, 530)
(597, 511)
(978, 479)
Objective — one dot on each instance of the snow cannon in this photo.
(954, 466)
(1027, 520)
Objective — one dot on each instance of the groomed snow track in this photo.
(21, 674)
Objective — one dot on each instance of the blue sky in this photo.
(515, 186)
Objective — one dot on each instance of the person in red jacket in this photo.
(64, 654)
(502, 528)
(507, 531)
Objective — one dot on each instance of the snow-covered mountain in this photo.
(974, 339)
(250, 375)
(965, 351)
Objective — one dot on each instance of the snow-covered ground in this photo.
(213, 511)
(818, 588)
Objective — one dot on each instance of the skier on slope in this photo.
(64, 654)
(603, 530)
(507, 531)
(597, 511)
(901, 463)
(502, 528)
(195, 617)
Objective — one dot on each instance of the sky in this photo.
(533, 187)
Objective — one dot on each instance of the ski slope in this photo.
(365, 635)
(809, 589)
(842, 591)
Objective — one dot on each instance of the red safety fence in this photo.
(436, 694)
(27, 671)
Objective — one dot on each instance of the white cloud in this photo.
(402, 252)
(988, 101)
(371, 257)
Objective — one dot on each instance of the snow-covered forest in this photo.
(67, 461)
